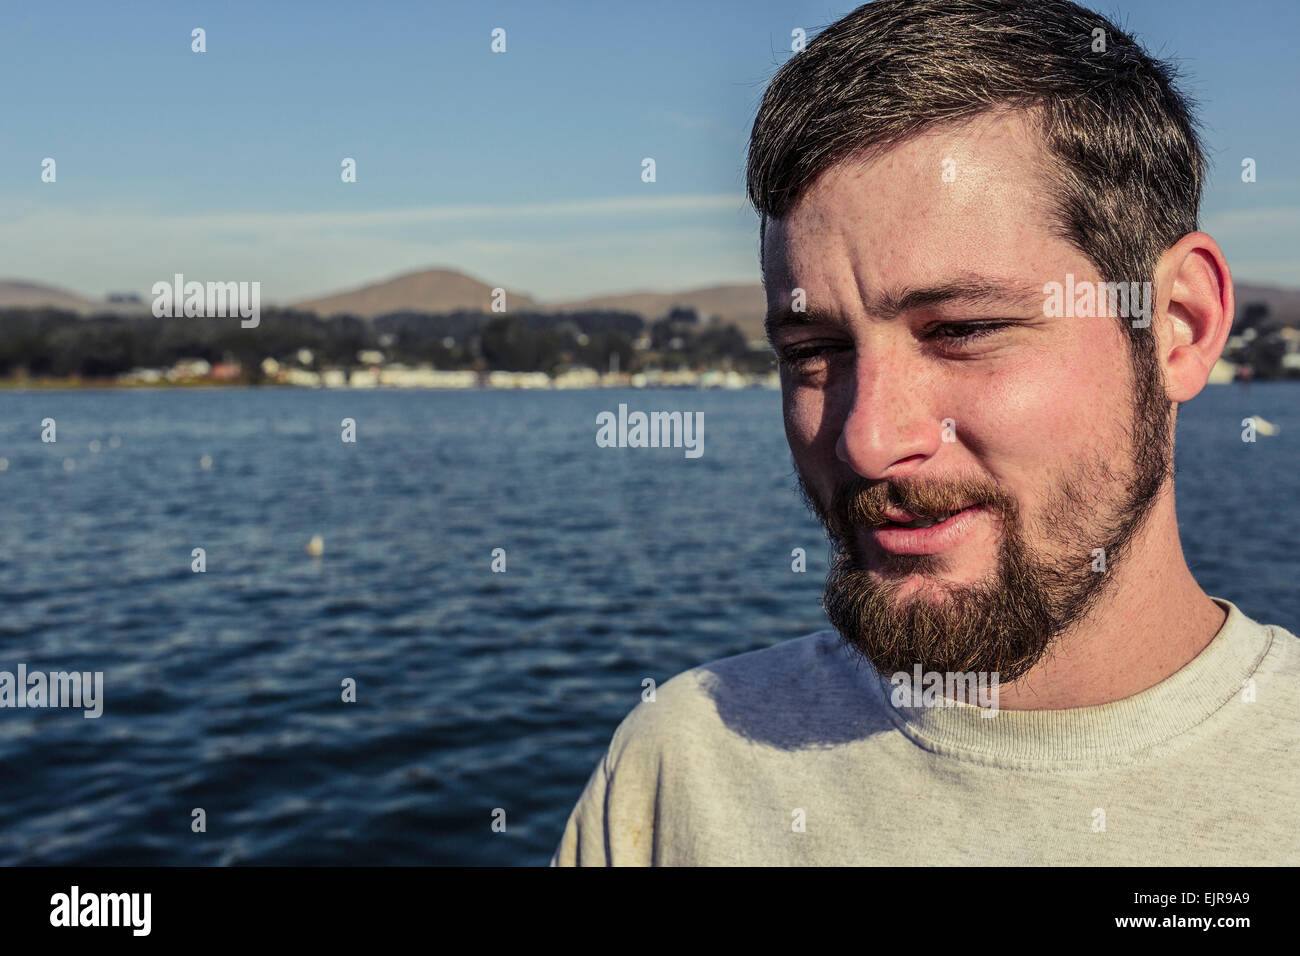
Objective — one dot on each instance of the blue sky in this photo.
(521, 168)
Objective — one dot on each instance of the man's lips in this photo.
(932, 540)
(899, 517)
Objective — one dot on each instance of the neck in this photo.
(1150, 622)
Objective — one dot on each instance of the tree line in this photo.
(45, 342)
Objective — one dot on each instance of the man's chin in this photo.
(934, 581)
(915, 588)
(897, 619)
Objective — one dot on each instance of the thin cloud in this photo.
(276, 222)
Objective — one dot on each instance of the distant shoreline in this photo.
(751, 383)
(525, 382)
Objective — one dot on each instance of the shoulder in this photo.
(799, 692)
(1281, 661)
(1286, 643)
(1280, 649)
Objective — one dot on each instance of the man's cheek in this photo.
(1034, 414)
(805, 421)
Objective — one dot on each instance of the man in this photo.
(987, 435)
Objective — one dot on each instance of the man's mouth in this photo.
(906, 533)
(904, 519)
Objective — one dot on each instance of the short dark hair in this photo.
(1122, 142)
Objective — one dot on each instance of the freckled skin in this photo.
(1029, 402)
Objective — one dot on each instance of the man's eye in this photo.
(800, 356)
(960, 334)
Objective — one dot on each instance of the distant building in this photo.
(1223, 372)
(191, 368)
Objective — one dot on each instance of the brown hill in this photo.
(1283, 304)
(16, 293)
(446, 290)
(429, 290)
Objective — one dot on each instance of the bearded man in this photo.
(1023, 669)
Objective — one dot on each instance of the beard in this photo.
(1009, 622)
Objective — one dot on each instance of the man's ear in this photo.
(1195, 291)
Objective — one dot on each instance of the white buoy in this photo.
(1263, 427)
(316, 546)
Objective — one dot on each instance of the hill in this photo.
(17, 294)
(446, 291)
(429, 290)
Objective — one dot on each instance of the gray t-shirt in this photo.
(795, 754)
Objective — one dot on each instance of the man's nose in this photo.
(891, 428)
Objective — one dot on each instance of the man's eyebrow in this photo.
(973, 291)
(780, 318)
(893, 303)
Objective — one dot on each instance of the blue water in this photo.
(475, 690)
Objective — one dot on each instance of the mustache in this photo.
(859, 502)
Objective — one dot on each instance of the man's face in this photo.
(924, 378)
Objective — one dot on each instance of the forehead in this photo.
(968, 198)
